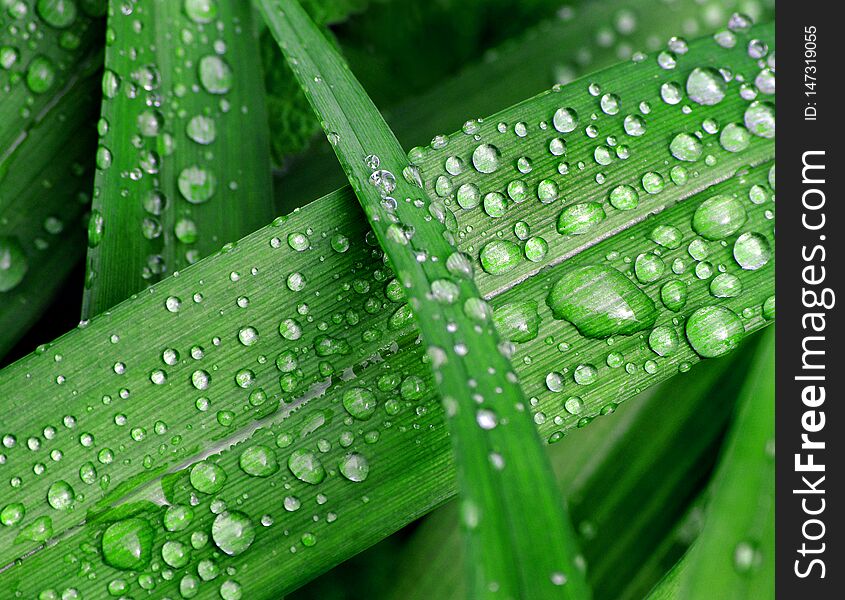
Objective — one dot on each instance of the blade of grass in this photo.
(345, 328)
(734, 555)
(517, 530)
(183, 162)
(584, 37)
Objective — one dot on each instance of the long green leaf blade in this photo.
(518, 534)
(183, 162)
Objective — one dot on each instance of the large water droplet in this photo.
(207, 477)
(517, 321)
(197, 184)
(306, 466)
(760, 119)
(705, 85)
(714, 330)
(577, 219)
(215, 75)
(485, 158)
(565, 120)
(128, 544)
(752, 251)
(499, 256)
(233, 532)
(201, 11)
(13, 263)
(601, 302)
(354, 467)
(40, 75)
(686, 147)
(359, 402)
(60, 495)
(258, 461)
(718, 217)
(57, 13)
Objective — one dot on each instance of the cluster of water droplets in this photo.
(493, 176)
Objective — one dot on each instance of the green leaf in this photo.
(521, 542)
(183, 161)
(47, 56)
(734, 557)
(151, 412)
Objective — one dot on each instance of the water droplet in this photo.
(565, 120)
(706, 86)
(653, 182)
(60, 495)
(201, 11)
(233, 532)
(175, 554)
(649, 268)
(726, 285)
(663, 340)
(197, 184)
(714, 330)
(40, 75)
(517, 321)
(207, 477)
(624, 197)
(12, 514)
(359, 402)
(667, 236)
(671, 92)
(354, 467)
(13, 263)
(258, 461)
(734, 138)
(485, 158)
(468, 196)
(577, 219)
(610, 104)
(201, 129)
(718, 217)
(601, 302)
(760, 119)
(178, 517)
(585, 374)
(752, 251)
(634, 125)
(215, 75)
(128, 544)
(686, 147)
(499, 256)
(306, 466)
